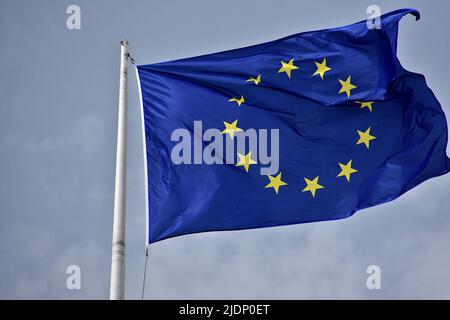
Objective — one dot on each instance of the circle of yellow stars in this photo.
(311, 185)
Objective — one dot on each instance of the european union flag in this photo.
(311, 127)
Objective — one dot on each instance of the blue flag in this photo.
(311, 127)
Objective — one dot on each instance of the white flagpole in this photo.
(117, 285)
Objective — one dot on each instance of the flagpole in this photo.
(117, 284)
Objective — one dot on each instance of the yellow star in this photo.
(346, 170)
(245, 160)
(256, 80)
(312, 185)
(365, 137)
(287, 67)
(238, 101)
(275, 183)
(366, 104)
(321, 68)
(346, 86)
(231, 128)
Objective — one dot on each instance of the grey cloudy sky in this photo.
(58, 113)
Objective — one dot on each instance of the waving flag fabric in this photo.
(331, 123)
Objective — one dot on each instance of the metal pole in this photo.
(117, 285)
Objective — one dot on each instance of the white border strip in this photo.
(144, 150)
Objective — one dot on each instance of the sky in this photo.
(58, 117)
